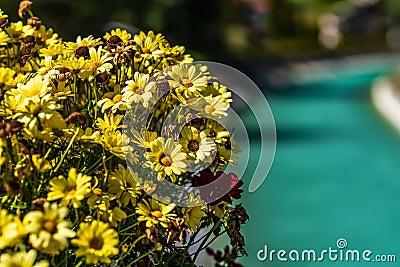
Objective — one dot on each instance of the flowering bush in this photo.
(91, 157)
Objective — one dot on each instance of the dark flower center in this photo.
(165, 160)
(96, 243)
(193, 145)
(50, 226)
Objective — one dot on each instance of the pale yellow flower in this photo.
(22, 259)
(11, 230)
(96, 242)
(48, 230)
(166, 158)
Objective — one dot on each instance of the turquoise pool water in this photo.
(336, 174)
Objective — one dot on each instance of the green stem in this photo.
(201, 247)
(67, 150)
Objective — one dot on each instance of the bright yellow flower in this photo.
(96, 242)
(197, 145)
(48, 231)
(148, 46)
(166, 158)
(4, 39)
(106, 208)
(99, 60)
(89, 41)
(71, 190)
(10, 230)
(153, 212)
(76, 65)
(113, 100)
(109, 123)
(6, 74)
(46, 36)
(52, 50)
(193, 215)
(124, 185)
(113, 142)
(123, 34)
(36, 110)
(22, 259)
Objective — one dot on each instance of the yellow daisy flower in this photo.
(153, 212)
(89, 42)
(114, 142)
(34, 88)
(48, 231)
(143, 140)
(139, 90)
(6, 74)
(52, 50)
(4, 39)
(96, 242)
(197, 145)
(193, 215)
(124, 185)
(109, 123)
(98, 61)
(71, 190)
(148, 46)
(113, 100)
(166, 158)
(188, 80)
(22, 259)
(36, 110)
(123, 34)
(106, 208)
(210, 107)
(11, 230)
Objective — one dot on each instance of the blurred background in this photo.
(336, 169)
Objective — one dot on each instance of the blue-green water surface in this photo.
(336, 175)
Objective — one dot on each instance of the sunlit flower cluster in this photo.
(75, 170)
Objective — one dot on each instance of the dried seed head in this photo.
(34, 22)
(63, 74)
(25, 56)
(38, 204)
(4, 23)
(24, 6)
(14, 127)
(82, 51)
(102, 79)
(76, 117)
(13, 188)
(152, 234)
(28, 42)
(113, 41)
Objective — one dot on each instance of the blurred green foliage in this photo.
(212, 29)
